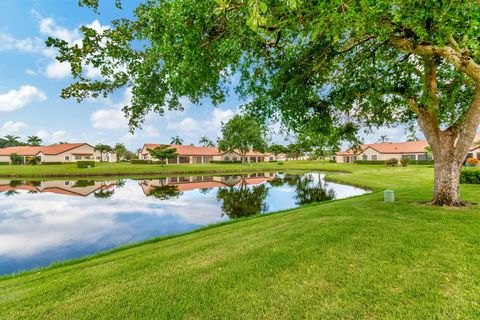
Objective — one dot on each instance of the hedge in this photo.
(470, 176)
(4, 163)
(370, 162)
(138, 161)
(224, 162)
(383, 162)
(85, 164)
(53, 163)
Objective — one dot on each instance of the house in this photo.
(188, 154)
(206, 182)
(411, 150)
(66, 188)
(65, 153)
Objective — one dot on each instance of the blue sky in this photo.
(31, 80)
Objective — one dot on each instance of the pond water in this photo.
(50, 221)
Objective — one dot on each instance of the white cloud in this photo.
(16, 99)
(11, 127)
(60, 70)
(8, 42)
(151, 131)
(59, 135)
(219, 116)
(42, 134)
(57, 70)
(186, 125)
(49, 27)
(110, 119)
(31, 72)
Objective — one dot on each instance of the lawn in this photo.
(358, 258)
(125, 168)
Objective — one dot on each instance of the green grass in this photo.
(358, 258)
(125, 169)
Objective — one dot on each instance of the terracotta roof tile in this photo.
(48, 150)
(188, 150)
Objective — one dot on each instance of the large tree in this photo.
(103, 149)
(333, 65)
(163, 152)
(242, 134)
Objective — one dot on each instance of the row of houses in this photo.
(73, 152)
(411, 150)
(188, 154)
(86, 188)
(58, 153)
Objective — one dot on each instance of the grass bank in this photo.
(127, 169)
(355, 258)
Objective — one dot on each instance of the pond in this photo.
(42, 222)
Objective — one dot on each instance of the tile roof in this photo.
(389, 147)
(33, 151)
(188, 150)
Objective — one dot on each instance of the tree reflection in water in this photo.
(238, 202)
(306, 189)
(164, 192)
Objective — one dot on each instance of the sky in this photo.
(31, 81)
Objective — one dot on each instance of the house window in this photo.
(67, 158)
(78, 158)
(364, 157)
(374, 157)
(234, 158)
(408, 157)
(227, 158)
(67, 183)
(99, 158)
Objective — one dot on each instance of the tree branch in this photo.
(462, 62)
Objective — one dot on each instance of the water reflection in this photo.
(46, 221)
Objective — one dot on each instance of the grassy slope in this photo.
(354, 258)
(127, 168)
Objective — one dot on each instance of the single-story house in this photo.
(206, 182)
(67, 188)
(188, 154)
(70, 152)
(411, 150)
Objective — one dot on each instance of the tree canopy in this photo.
(323, 67)
(242, 134)
(163, 152)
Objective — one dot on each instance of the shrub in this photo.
(421, 162)
(32, 160)
(139, 161)
(332, 161)
(4, 163)
(392, 162)
(382, 162)
(53, 163)
(280, 163)
(84, 183)
(16, 159)
(85, 164)
(224, 161)
(404, 162)
(472, 161)
(470, 176)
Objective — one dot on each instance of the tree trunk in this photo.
(447, 179)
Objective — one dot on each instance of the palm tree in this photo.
(103, 148)
(206, 142)
(383, 138)
(11, 141)
(176, 140)
(34, 141)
